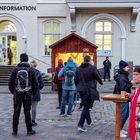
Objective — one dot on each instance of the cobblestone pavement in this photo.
(53, 127)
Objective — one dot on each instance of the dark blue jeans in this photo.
(124, 113)
(85, 115)
(67, 95)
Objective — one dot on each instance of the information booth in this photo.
(73, 46)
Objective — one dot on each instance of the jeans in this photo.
(124, 113)
(70, 95)
(34, 109)
(85, 115)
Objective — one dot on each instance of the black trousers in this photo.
(19, 99)
(107, 74)
(85, 115)
(60, 90)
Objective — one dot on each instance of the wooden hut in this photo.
(73, 46)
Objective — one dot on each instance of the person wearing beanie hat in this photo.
(24, 57)
(22, 84)
(123, 87)
(122, 64)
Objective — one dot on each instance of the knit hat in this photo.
(24, 57)
(122, 64)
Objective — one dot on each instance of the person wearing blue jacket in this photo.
(68, 86)
(36, 96)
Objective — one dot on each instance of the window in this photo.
(51, 34)
(7, 26)
(103, 37)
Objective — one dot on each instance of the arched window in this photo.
(51, 34)
(7, 26)
(103, 37)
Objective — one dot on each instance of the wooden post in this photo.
(117, 128)
(118, 100)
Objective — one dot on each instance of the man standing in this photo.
(68, 87)
(86, 79)
(107, 67)
(58, 81)
(22, 84)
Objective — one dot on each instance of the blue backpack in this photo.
(69, 77)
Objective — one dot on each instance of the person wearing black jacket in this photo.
(24, 98)
(123, 85)
(86, 79)
(107, 67)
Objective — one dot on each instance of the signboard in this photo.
(85, 49)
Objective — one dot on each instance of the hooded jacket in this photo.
(122, 82)
(70, 65)
(32, 78)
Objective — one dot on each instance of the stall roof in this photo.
(76, 36)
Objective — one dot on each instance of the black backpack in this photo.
(23, 83)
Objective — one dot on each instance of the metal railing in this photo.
(39, 60)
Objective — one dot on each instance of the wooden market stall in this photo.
(73, 46)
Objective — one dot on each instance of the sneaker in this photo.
(91, 123)
(78, 102)
(122, 135)
(14, 133)
(124, 132)
(80, 108)
(34, 124)
(90, 109)
(62, 115)
(69, 116)
(58, 107)
(82, 129)
(29, 133)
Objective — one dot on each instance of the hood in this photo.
(70, 64)
(23, 64)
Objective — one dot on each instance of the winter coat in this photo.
(86, 80)
(70, 65)
(55, 78)
(107, 64)
(122, 82)
(38, 76)
(32, 78)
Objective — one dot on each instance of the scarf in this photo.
(131, 128)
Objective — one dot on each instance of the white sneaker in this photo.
(124, 132)
(122, 135)
(82, 129)
(91, 123)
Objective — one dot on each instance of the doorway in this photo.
(8, 50)
(7, 43)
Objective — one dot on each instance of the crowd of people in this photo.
(74, 82)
